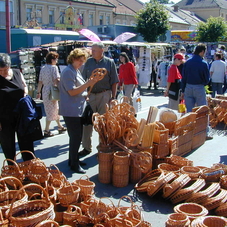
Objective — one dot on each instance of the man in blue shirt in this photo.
(195, 76)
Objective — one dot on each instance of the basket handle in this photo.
(12, 178)
(86, 177)
(125, 196)
(10, 160)
(51, 222)
(15, 158)
(46, 196)
(74, 210)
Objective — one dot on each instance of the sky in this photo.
(175, 1)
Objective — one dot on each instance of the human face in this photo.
(78, 62)
(122, 59)
(54, 61)
(97, 52)
(4, 71)
(178, 61)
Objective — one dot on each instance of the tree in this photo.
(163, 1)
(213, 30)
(152, 21)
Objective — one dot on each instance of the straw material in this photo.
(59, 210)
(185, 193)
(207, 191)
(193, 172)
(213, 202)
(48, 223)
(222, 210)
(212, 174)
(177, 220)
(170, 189)
(71, 214)
(165, 167)
(219, 166)
(156, 185)
(192, 210)
(32, 212)
(223, 181)
(3, 222)
(211, 221)
(179, 161)
(56, 174)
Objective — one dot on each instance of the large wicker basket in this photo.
(32, 212)
(211, 221)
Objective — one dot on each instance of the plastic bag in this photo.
(182, 107)
(120, 95)
(136, 100)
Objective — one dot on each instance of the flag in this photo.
(123, 37)
(89, 34)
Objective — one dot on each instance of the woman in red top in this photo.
(173, 82)
(127, 76)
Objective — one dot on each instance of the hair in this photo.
(51, 56)
(76, 54)
(222, 47)
(219, 55)
(5, 60)
(123, 54)
(98, 44)
(199, 48)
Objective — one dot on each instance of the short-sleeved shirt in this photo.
(109, 79)
(173, 74)
(71, 106)
(218, 68)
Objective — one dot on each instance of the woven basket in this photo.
(71, 214)
(170, 189)
(165, 167)
(3, 222)
(156, 185)
(213, 202)
(68, 194)
(56, 174)
(211, 221)
(192, 210)
(48, 223)
(11, 170)
(178, 220)
(222, 210)
(193, 172)
(84, 205)
(141, 186)
(186, 192)
(32, 212)
(105, 167)
(212, 174)
(223, 181)
(7, 196)
(59, 210)
(86, 187)
(179, 161)
(207, 191)
(219, 166)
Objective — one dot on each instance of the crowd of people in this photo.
(184, 79)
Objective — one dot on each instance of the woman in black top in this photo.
(12, 89)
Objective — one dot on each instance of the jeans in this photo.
(194, 95)
(216, 88)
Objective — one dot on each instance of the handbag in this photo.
(54, 93)
(87, 114)
(174, 90)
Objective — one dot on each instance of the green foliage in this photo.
(163, 1)
(215, 29)
(152, 21)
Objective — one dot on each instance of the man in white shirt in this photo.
(217, 74)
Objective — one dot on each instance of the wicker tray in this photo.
(179, 161)
(170, 189)
(207, 191)
(211, 221)
(165, 167)
(185, 193)
(192, 210)
(193, 172)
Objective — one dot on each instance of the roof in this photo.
(196, 4)
(95, 2)
(121, 8)
(43, 31)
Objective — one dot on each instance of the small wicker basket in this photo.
(179, 161)
(213, 175)
(211, 221)
(165, 167)
(193, 172)
(177, 220)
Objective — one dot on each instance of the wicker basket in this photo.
(48, 223)
(192, 210)
(179, 161)
(213, 202)
(185, 193)
(177, 220)
(86, 187)
(222, 210)
(71, 214)
(68, 194)
(170, 189)
(12, 170)
(212, 174)
(223, 181)
(211, 221)
(105, 167)
(165, 167)
(193, 172)
(219, 166)
(59, 210)
(207, 191)
(32, 212)
(56, 174)
(3, 222)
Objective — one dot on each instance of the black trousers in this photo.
(8, 143)
(75, 129)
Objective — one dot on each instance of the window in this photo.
(29, 14)
(91, 19)
(118, 21)
(101, 19)
(108, 20)
(3, 6)
(51, 16)
(62, 17)
(38, 15)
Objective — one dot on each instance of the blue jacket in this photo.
(195, 71)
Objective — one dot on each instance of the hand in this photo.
(38, 95)
(166, 93)
(92, 81)
(182, 96)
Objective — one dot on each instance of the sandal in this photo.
(62, 129)
(48, 133)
